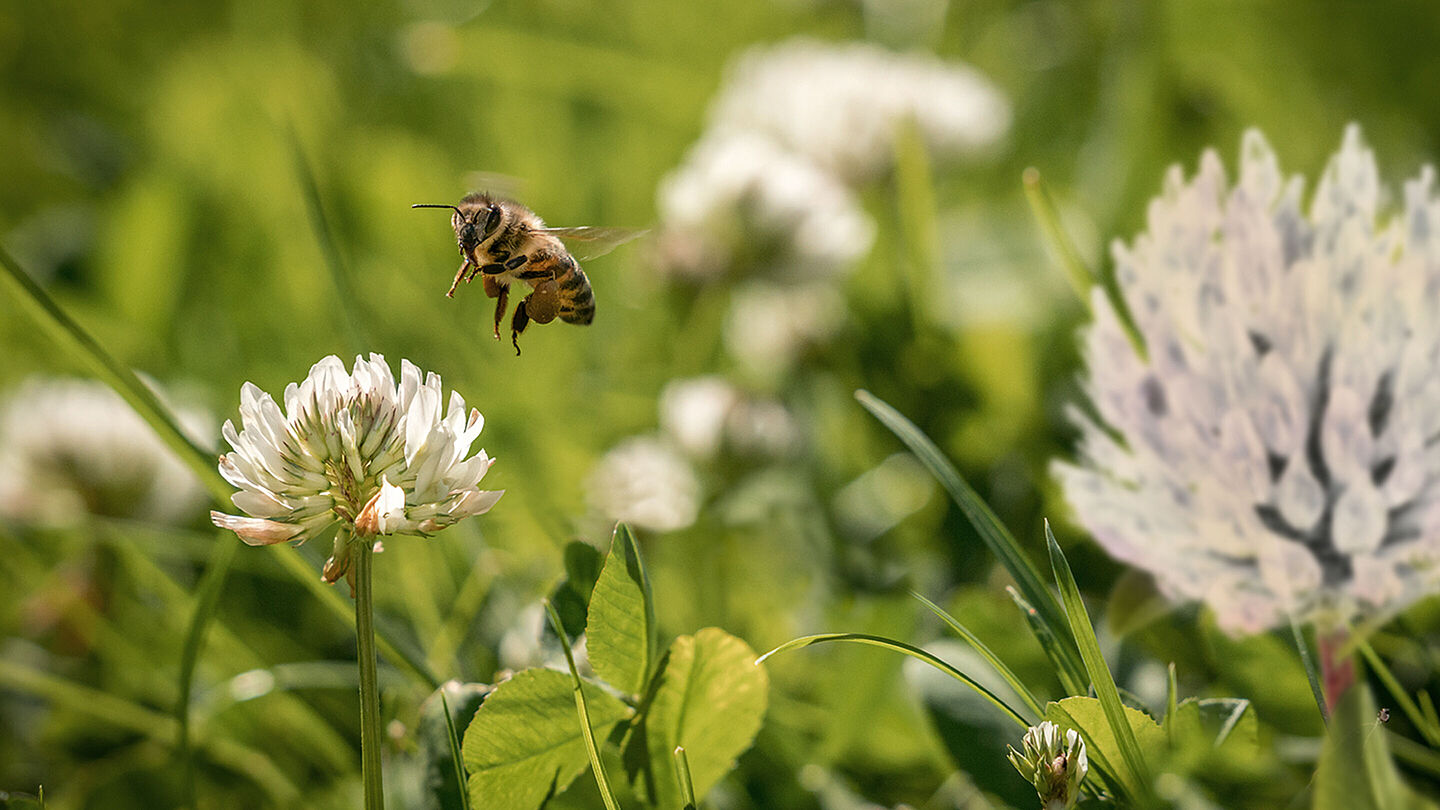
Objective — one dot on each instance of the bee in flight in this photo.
(504, 242)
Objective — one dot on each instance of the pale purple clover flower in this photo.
(355, 452)
(1276, 456)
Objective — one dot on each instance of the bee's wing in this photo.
(587, 242)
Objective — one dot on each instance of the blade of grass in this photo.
(1100, 677)
(1072, 683)
(158, 726)
(904, 649)
(1172, 702)
(1004, 671)
(339, 273)
(682, 773)
(1311, 673)
(1407, 703)
(1232, 721)
(207, 601)
(991, 531)
(1047, 216)
(601, 779)
(1080, 275)
(454, 740)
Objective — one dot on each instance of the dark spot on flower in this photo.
(1382, 471)
(1277, 464)
(1261, 343)
(1154, 394)
(1382, 403)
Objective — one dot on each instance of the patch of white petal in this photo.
(741, 194)
(842, 104)
(1277, 454)
(357, 448)
(643, 481)
(72, 446)
(707, 415)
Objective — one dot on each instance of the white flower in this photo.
(70, 446)
(841, 105)
(770, 326)
(704, 415)
(355, 451)
(1053, 763)
(740, 198)
(1276, 454)
(643, 482)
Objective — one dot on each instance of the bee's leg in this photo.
(459, 276)
(501, 295)
(518, 324)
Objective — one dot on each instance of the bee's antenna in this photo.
(428, 205)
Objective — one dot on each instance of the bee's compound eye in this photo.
(493, 220)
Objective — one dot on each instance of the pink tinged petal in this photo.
(1345, 436)
(1299, 496)
(383, 513)
(1279, 407)
(1242, 454)
(1360, 518)
(475, 502)
(256, 531)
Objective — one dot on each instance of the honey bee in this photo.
(503, 241)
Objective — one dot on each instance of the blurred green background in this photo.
(153, 162)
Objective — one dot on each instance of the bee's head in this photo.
(474, 223)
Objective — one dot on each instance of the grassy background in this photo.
(151, 184)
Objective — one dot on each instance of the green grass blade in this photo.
(1311, 673)
(904, 649)
(207, 602)
(1004, 671)
(992, 532)
(687, 785)
(1172, 702)
(1072, 683)
(454, 741)
(601, 779)
(1042, 205)
(340, 276)
(1407, 703)
(1095, 665)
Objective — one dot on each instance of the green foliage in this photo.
(1356, 771)
(709, 700)
(448, 708)
(524, 743)
(621, 635)
(708, 695)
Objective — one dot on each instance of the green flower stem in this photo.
(601, 779)
(369, 686)
(1407, 704)
(682, 772)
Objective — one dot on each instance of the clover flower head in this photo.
(644, 482)
(705, 415)
(771, 326)
(840, 105)
(740, 199)
(357, 452)
(1273, 454)
(1054, 763)
(71, 446)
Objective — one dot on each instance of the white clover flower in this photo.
(704, 415)
(841, 105)
(71, 446)
(1054, 763)
(643, 482)
(353, 451)
(770, 326)
(740, 198)
(1275, 456)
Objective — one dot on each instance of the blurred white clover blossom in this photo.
(72, 446)
(705, 415)
(1054, 763)
(645, 482)
(1276, 456)
(740, 198)
(770, 326)
(353, 451)
(841, 104)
